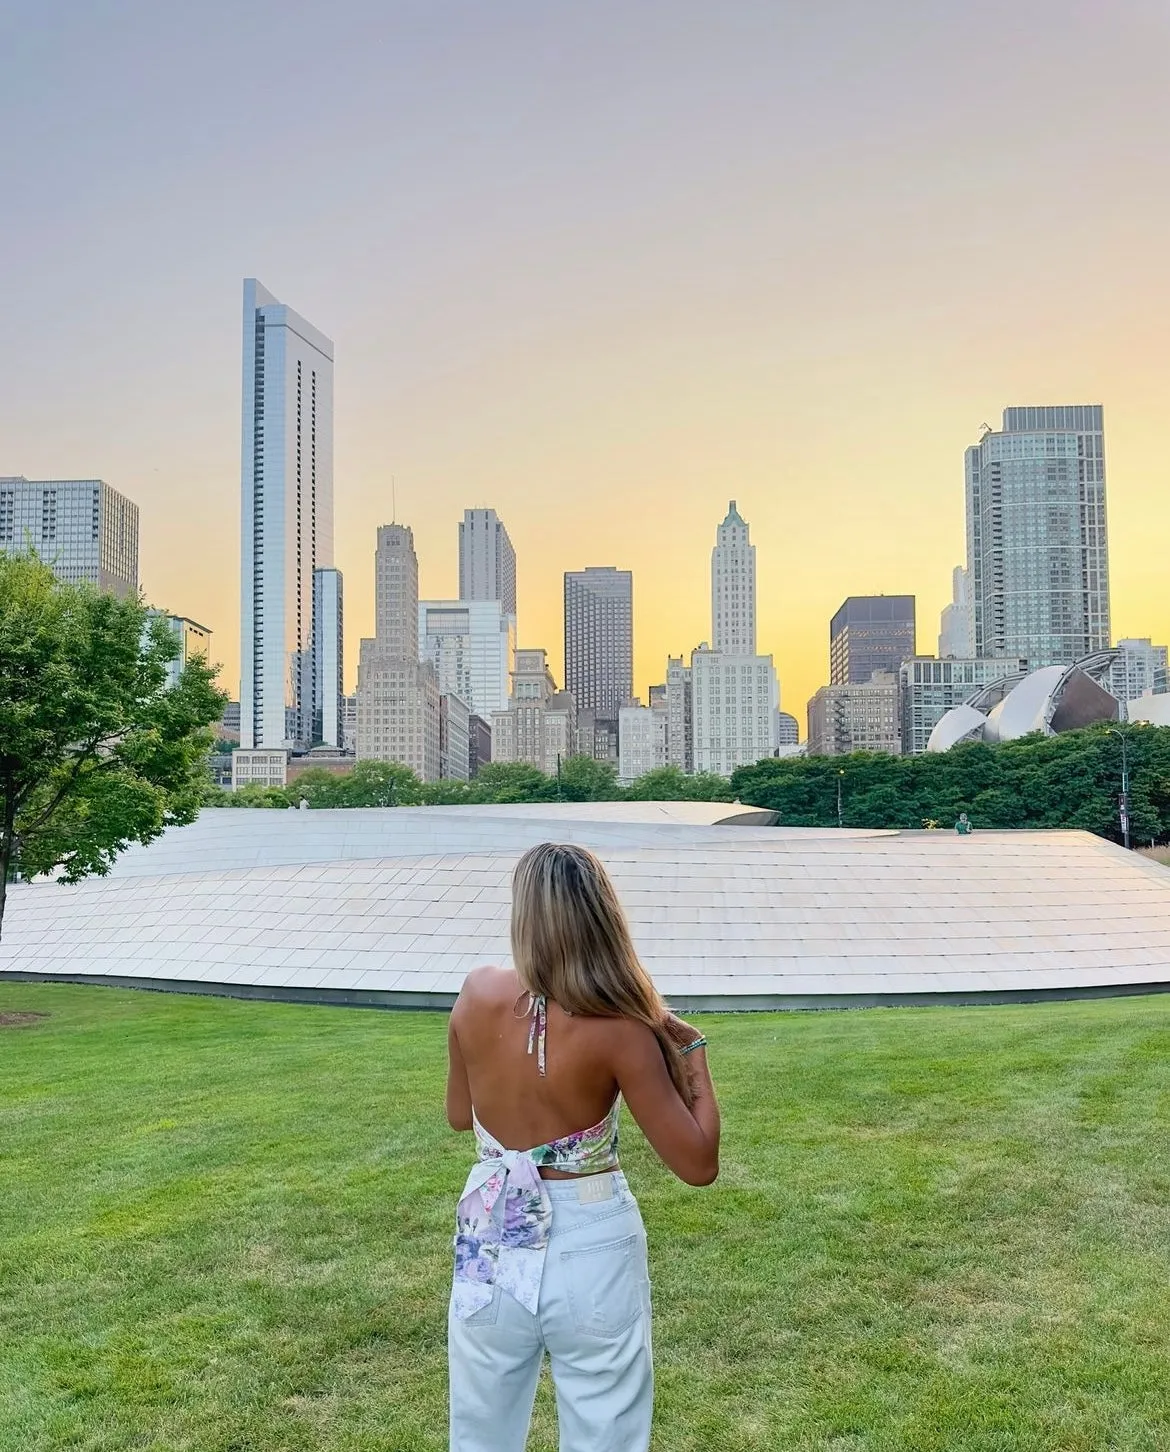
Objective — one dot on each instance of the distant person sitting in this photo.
(963, 825)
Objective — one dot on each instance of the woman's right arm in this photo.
(685, 1140)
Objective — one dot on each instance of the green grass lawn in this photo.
(224, 1226)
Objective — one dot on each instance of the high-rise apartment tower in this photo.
(1037, 541)
(286, 531)
(1139, 669)
(86, 532)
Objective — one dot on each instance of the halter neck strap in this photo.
(538, 1029)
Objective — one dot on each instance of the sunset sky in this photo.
(603, 267)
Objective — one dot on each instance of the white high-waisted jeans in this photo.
(594, 1320)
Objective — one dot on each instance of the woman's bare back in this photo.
(521, 1107)
(588, 1062)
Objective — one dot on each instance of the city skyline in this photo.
(804, 290)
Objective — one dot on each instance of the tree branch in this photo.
(67, 786)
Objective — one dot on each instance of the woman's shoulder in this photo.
(489, 983)
(620, 1037)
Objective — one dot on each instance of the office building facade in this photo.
(641, 741)
(229, 722)
(328, 658)
(86, 532)
(733, 587)
(472, 645)
(870, 633)
(479, 744)
(956, 634)
(349, 724)
(259, 767)
(856, 717)
(540, 725)
(1037, 537)
(787, 729)
(929, 688)
(1139, 669)
(599, 639)
(286, 527)
(397, 694)
(192, 640)
(487, 561)
(454, 739)
(734, 703)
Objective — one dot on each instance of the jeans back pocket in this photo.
(608, 1285)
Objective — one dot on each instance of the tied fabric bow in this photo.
(502, 1232)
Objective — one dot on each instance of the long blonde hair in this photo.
(571, 942)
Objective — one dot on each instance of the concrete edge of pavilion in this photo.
(684, 1003)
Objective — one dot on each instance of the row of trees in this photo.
(388, 784)
(1072, 780)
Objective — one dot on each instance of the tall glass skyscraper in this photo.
(1037, 542)
(286, 531)
(599, 639)
(328, 657)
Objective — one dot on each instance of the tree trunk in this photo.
(7, 827)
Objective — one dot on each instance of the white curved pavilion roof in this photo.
(393, 907)
(1025, 708)
(1049, 699)
(960, 723)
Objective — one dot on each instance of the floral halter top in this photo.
(504, 1215)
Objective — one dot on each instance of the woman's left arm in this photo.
(458, 1089)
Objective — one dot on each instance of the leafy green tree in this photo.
(513, 781)
(255, 795)
(377, 784)
(96, 751)
(447, 792)
(582, 779)
(708, 786)
(671, 784)
(318, 787)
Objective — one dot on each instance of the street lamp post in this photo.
(840, 815)
(1121, 735)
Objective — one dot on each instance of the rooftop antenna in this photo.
(394, 498)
